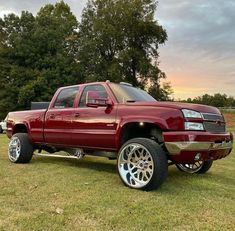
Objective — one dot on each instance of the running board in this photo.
(58, 156)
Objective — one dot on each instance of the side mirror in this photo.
(94, 99)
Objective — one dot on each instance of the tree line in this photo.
(216, 100)
(116, 40)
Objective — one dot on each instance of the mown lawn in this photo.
(56, 194)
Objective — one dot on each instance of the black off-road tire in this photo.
(20, 149)
(1, 130)
(152, 154)
(204, 167)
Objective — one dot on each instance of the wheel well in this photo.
(141, 129)
(20, 128)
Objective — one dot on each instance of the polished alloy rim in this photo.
(191, 168)
(135, 165)
(14, 149)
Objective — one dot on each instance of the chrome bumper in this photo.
(175, 148)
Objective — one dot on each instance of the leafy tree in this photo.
(217, 100)
(37, 55)
(161, 93)
(116, 40)
(230, 102)
(119, 39)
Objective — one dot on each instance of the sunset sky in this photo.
(199, 56)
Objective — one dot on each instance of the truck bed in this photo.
(32, 119)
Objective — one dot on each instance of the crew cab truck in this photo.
(123, 122)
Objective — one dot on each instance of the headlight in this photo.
(191, 114)
(193, 126)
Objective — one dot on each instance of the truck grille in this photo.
(214, 127)
(212, 117)
(214, 123)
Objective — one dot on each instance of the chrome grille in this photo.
(214, 127)
(214, 123)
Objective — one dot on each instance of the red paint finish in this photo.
(101, 127)
(33, 121)
(94, 127)
(195, 107)
(58, 124)
(163, 118)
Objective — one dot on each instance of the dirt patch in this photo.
(230, 119)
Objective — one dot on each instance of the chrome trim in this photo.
(57, 156)
(174, 148)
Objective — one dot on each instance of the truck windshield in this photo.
(125, 93)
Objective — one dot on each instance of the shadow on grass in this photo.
(175, 177)
(175, 182)
(179, 182)
(86, 163)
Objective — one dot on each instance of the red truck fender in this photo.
(142, 122)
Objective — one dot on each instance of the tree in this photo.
(37, 55)
(161, 93)
(116, 40)
(216, 100)
(119, 40)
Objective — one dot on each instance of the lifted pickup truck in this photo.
(123, 122)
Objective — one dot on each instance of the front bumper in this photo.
(184, 146)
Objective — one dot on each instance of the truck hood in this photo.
(179, 105)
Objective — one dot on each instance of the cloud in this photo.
(205, 26)
(200, 46)
(35, 5)
(5, 12)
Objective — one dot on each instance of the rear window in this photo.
(66, 98)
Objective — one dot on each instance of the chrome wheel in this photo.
(191, 168)
(135, 165)
(14, 149)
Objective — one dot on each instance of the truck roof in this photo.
(93, 83)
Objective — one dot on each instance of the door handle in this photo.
(52, 116)
(77, 114)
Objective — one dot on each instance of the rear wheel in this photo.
(199, 167)
(20, 150)
(142, 164)
(1, 130)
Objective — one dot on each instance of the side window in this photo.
(98, 88)
(66, 98)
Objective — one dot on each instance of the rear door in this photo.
(57, 129)
(94, 126)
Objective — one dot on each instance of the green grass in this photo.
(59, 194)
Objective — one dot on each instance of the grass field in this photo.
(230, 118)
(56, 194)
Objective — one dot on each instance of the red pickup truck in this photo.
(123, 122)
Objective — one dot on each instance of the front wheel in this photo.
(20, 150)
(198, 167)
(1, 130)
(142, 164)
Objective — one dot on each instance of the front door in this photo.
(57, 129)
(94, 127)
